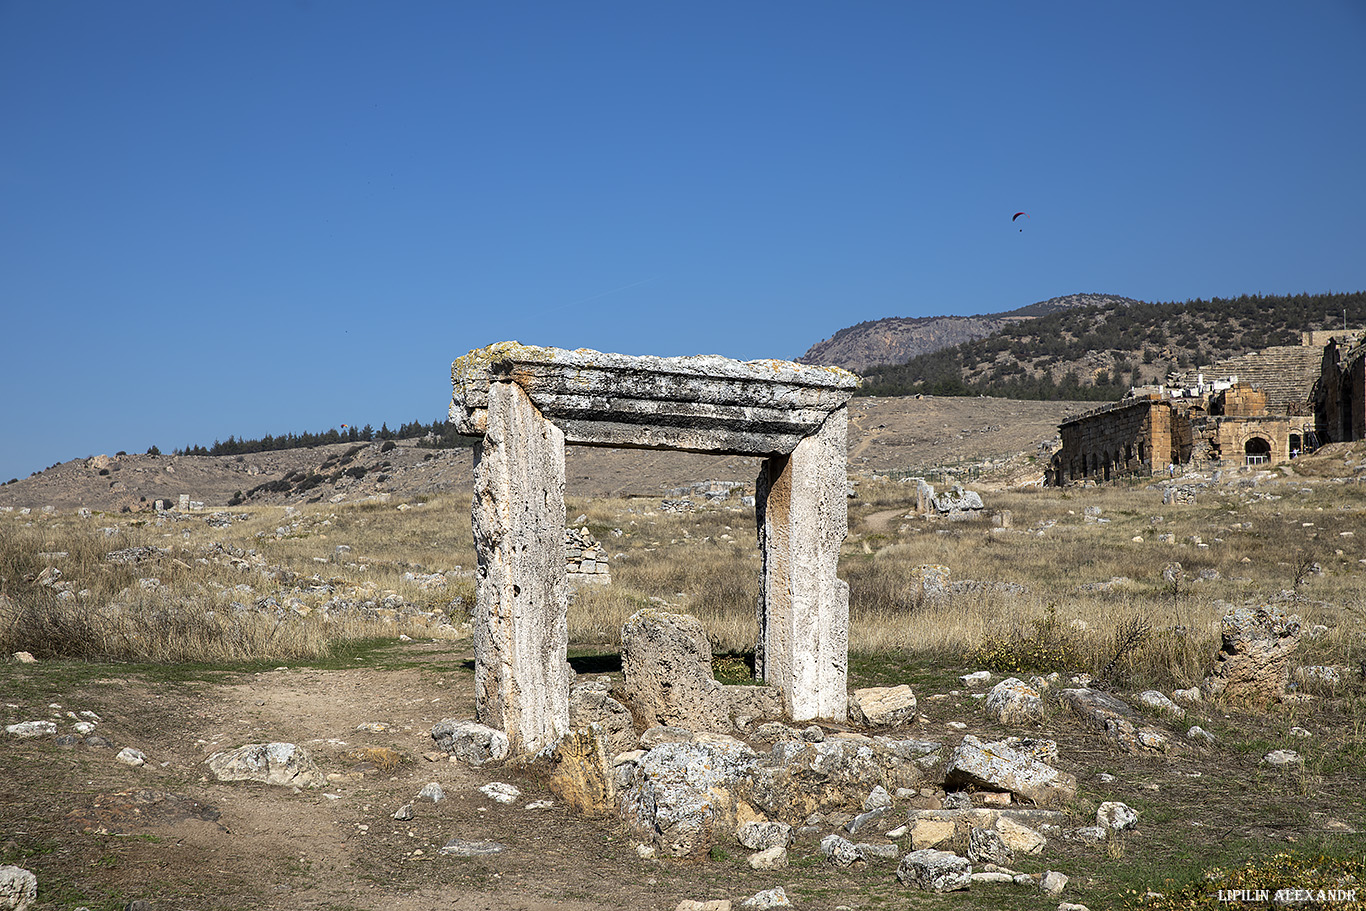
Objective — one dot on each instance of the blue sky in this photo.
(262, 217)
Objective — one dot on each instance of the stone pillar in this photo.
(521, 677)
(802, 514)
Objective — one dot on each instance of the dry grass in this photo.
(1053, 592)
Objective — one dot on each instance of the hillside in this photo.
(895, 340)
(1096, 352)
(885, 435)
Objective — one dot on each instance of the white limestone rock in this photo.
(32, 729)
(769, 898)
(774, 858)
(1012, 702)
(935, 871)
(681, 796)
(282, 764)
(1159, 702)
(132, 757)
(882, 706)
(470, 741)
(18, 888)
(997, 767)
(762, 835)
(1114, 816)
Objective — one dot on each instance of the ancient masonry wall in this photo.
(1131, 437)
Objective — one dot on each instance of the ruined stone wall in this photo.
(1115, 441)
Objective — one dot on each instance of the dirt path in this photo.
(216, 845)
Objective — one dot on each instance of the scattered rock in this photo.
(1281, 758)
(769, 898)
(500, 792)
(1052, 882)
(32, 729)
(18, 888)
(132, 757)
(1115, 719)
(987, 846)
(282, 764)
(1012, 701)
(1199, 735)
(880, 706)
(457, 848)
(935, 871)
(1159, 702)
(840, 851)
(404, 813)
(470, 741)
(998, 767)
(25, 657)
(719, 904)
(1116, 817)
(432, 791)
(774, 858)
(760, 836)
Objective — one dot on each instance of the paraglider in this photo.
(1017, 215)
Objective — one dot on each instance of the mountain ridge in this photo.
(897, 339)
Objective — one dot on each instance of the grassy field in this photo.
(1057, 590)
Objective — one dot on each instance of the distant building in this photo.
(1265, 408)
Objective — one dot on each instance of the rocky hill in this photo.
(896, 339)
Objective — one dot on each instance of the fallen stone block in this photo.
(882, 706)
(999, 768)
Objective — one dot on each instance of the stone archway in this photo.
(527, 403)
(1257, 451)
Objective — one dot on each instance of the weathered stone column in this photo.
(521, 676)
(802, 514)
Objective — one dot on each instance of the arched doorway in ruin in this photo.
(1256, 451)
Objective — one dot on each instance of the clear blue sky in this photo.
(262, 217)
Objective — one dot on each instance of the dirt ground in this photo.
(100, 834)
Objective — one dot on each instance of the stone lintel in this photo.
(704, 403)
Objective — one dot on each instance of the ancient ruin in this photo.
(1258, 409)
(527, 403)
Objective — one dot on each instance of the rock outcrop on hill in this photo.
(896, 339)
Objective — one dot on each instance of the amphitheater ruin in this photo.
(1259, 409)
(526, 403)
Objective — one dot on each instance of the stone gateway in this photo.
(528, 402)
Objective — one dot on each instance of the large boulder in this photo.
(798, 778)
(685, 797)
(998, 767)
(1252, 666)
(282, 764)
(666, 659)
